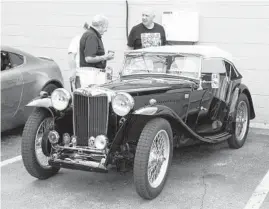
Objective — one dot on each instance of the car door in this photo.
(11, 87)
(213, 107)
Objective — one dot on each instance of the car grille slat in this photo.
(90, 117)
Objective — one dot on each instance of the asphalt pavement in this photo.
(201, 177)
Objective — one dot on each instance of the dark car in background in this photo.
(166, 97)
(23, 76)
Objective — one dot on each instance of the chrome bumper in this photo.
(79, 158)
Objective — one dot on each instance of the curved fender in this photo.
(244, 89)
(146, 111)
(42, 102)
(166, 112)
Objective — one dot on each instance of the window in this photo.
(5, 61)
(16, 59)
(213, 66)
(230, 70)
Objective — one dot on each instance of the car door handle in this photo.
(203, 109)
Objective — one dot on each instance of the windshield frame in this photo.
(138, 54)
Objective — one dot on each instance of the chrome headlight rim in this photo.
(67, 99)
(100, 142)
(129, 106)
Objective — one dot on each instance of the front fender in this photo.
(134, 123)
(158, 110)
(43, 102)
(176, 122)
(40, 102)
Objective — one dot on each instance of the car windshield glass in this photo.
(186, 66)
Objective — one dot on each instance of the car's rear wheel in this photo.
(241, 123)
(50, 88)
(153, 158)
(35, 130)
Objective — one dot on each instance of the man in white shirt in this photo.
(73, 53)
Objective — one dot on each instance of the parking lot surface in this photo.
(202, 176)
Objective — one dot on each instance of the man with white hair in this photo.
(92, 53)
(146, 34)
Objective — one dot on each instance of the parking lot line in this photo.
(259, 194)
(11, 160)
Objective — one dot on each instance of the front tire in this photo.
(50, 88)
(153, 158)
(34, 160)
(241, 124)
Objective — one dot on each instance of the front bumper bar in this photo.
(79, 165)
(79, 158)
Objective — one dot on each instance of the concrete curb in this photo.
(259, 125)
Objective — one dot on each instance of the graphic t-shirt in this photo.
(142, 37)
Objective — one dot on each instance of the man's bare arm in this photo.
(99, 58)
(95, 59)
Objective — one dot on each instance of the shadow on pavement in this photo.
(12, 132)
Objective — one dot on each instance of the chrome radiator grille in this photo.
(90, 117)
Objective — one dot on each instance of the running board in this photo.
(218, 137)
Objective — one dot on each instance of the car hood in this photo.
(135, 87)
(146, 84)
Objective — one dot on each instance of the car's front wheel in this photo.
(241, 123)
(35, 130)
(153, 158)
(50, 88)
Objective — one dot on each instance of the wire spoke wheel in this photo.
(153, 157)
(241, 123)
(34, 133)
(241, 120)
(158, 158)
(43, 128)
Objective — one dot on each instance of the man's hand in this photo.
(72, 78)
(109, 56)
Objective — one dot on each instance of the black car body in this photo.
(165, 97)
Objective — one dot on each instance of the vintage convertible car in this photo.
(166, 97)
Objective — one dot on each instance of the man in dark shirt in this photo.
(146, 34)
(92, 53)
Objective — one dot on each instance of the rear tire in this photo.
(28, 146)
(241, 119)
(150, 166)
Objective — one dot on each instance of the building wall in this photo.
(242, 28)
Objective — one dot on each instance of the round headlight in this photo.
(122, 103)
(100, 142)
(60, 98)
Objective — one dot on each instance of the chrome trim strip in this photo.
(91, 164)
(78, 148)
(88, 128)
(74, 128)
(107, 106)
(144, 89)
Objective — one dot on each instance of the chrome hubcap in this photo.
(43, 127)
(241, 120)
(158, 159)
